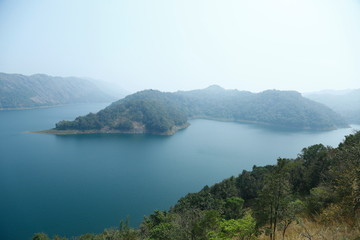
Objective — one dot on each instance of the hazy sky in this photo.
(254, 45)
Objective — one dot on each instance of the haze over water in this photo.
(69, 185)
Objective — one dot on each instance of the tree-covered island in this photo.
(163, 113)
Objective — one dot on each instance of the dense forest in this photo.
(152, 111)
(20, 91)
(314, 196)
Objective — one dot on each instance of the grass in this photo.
(306, 229)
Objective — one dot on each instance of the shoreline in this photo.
(265, 124)
(174, 128)
(110, 131)
(49, 106)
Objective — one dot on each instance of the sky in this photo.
(254, 45)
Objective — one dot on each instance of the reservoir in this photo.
(73, 184)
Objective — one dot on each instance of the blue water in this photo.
(69, 185)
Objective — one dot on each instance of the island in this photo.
(164, 113)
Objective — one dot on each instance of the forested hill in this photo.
(280, 108)
(20, 91)
(152, 111)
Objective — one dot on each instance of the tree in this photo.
(242, 229)
(290, 213)
(344, 177)
(274, 197)
(159, 225)
(315, 165)
(40, 236)
(87, 236)
(233, 208)
(208, 221)
(319, 198)
(125, 232)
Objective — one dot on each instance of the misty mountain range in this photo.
(344, 102)
(283, 108)
(38, 90)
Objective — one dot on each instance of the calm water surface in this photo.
(69, 185)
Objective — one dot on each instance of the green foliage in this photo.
(158, 226)
(352, 140)
(208, 222)
(226, 189)
(125, 232)
(244, 229)
(319, 198)
(162, 231)
(290, 214)
(233, 208)
(87, 122)
(344, 176)
(44, 236)
(157, 112)
(123, 125)
(250, 183)
(204, 200)
(87, 236)
(316, 164)
(40, 236)
(275, 197)
(113, 234)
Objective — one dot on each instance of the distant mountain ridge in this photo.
(20, 91)
(152, 111)
(344, 102)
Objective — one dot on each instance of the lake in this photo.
(69, 185)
